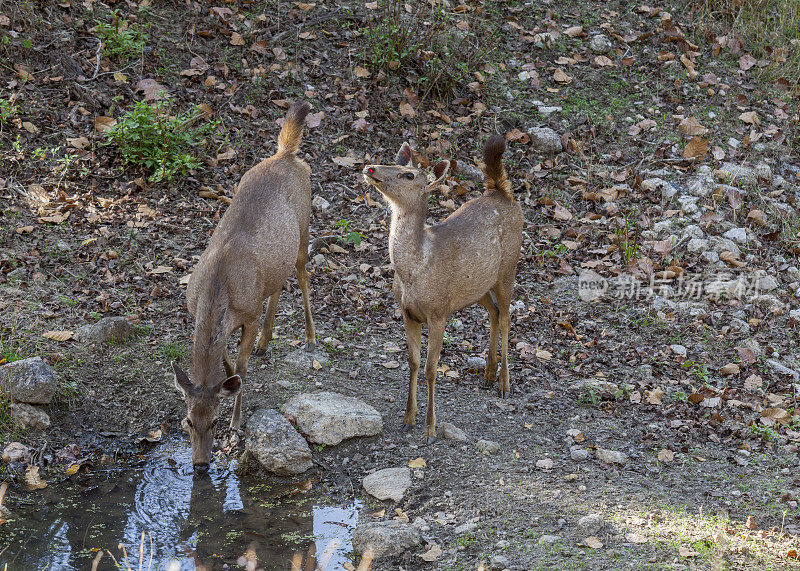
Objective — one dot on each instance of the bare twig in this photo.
(97, 62)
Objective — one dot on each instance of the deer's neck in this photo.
(209, 341)
(408, 237)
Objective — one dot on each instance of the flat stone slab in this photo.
(388, 484)
(275, 443)
(107, 329)
(29, 381)
(385, 538)
(328, 418)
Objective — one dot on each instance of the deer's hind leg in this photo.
(503, 302)
(265, 336)
(302, 280)
(489, 376)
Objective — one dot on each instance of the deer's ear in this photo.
(403, 157)
(181, 379)
(229, 386)
(439, 172)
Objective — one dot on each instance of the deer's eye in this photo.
(189, 422)
(409, 175)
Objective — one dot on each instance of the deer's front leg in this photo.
(245, 348)
(414, 340)
(435, 338)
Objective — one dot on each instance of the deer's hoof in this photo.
(310, 346)
(484, 384)
(259, 352)
(430, 439)
(406, 427)
(504, 394)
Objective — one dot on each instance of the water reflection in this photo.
(193, 522)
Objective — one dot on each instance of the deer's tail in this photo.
(496, 177)
(292, 132)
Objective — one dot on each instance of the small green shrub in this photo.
(152, 137)
(8, 109)
(121, 39)
(349, 236)
(426, 47)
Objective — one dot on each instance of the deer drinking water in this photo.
(471, 257)
(260, 238)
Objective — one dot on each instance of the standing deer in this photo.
(262, 235)
(471, 257)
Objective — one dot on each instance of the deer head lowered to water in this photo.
(261, 237)
(471, 257)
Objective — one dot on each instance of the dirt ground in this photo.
(707, 482)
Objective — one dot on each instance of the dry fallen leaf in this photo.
(72, 469)
(361, 72)
(696, 148)
(561, 76)
(691, 127)
(730, 369)
(634, 537)
(684, 551)
(103, 123)
(561, 213)
(751, 523)
(432, 554)
(407, 110)
(237, 39)
(654, 396)
(58, 335)
(417, 463)
(316, 364)
(544, 463)
(390, 364)
(666, 455)
(593, 542)
(750, 117)
(32, 479)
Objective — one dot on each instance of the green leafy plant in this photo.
(8, 109)
(152, 137)
(349, 236)
(121, 38)
(426, 46)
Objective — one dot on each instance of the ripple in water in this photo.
(191, 523)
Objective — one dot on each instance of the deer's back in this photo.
(463, 257)
(255, 245)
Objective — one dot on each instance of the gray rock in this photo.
(600, 44)
(549, 539)
(794, 273)
(329, 418)
(611, 456)
(476, 362)
(320, 203)
(679, 350)
(709, 257)
(693, 231)
(688, 204)
(599, 387)
(724, 244)
(28, 416)
(498, 563)
(703, 184)
(451, 432)
(767, 283)
(385, 538)
(107, 329)
(667, 189)
(578, 453)
(779, 367)
(28, 380)
(738, 175)
(795, 314)
(469, 171)
(546, 111)
(15, 452)
(662, 226)
(545, 140)
(738, 235)
(302, 359)
(465, 527)
(696, 245)
(275, 443)
(590, 524)
(487, 447)
(388, 484)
